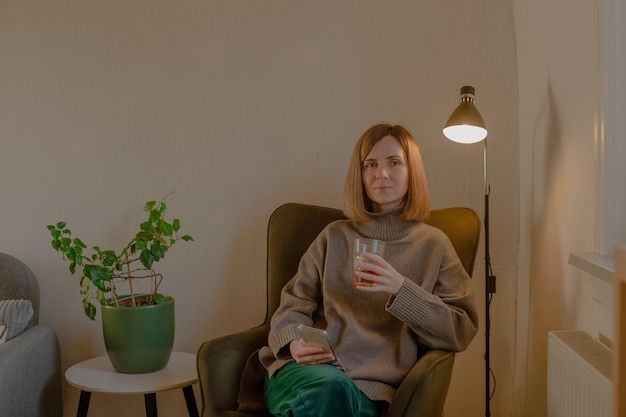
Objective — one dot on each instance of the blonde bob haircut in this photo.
(356, 203)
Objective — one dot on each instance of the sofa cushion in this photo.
(15, 314)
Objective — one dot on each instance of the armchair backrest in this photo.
(293, 227)
(291, 230)
(462, 225)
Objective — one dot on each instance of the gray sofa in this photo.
(30, 363)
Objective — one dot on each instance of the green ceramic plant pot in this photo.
(139, 339)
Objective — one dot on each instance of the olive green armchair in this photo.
(230, 375)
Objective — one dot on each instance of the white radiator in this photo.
(579, 376)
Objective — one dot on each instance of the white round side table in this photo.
(98, 375)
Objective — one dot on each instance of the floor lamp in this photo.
(466, 125)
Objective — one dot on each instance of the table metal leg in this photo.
(83, 404)
(150, 401)
(190, 399)
(151, 404)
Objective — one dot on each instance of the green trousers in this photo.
(315, 390)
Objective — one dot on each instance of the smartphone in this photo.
(316, 337)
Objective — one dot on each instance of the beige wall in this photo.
(571, 191)
(240, 106)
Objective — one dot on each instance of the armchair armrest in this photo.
(31, 374)
(221, 362)
(424, 389)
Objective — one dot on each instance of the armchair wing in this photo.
(423, 391)
(221, 364)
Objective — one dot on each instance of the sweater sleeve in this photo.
(445, 318)
(300, 300)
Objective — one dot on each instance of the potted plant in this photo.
(138, 326)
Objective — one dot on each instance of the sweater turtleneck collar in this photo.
(386, 226)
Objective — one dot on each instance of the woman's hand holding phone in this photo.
(312, 348)
(309, 355)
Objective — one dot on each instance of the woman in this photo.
(422, 297)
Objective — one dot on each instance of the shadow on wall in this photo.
(546, 279)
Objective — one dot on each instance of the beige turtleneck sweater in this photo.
(377, 338)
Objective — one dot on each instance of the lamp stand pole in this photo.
(490, 285)
(466, 125)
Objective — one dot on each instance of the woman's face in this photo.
(386, 174)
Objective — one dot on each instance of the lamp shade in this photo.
(465, 124)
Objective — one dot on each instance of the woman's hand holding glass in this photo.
(384, 276)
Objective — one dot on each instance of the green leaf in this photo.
(79, 243)
(90, 309)
(70, 254)
(158, 251)
(149, 205)
(146, 258)
(159, 298)
(176, 225)
(97, 274)
(100, 297)
(145, 235)
(61, 225)
(187, 238)
(84, 285)
(166, 228)
(108, 261)
(146, 226)
(105, 275)
(100, 285)
(155, 215)
(108, 258)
